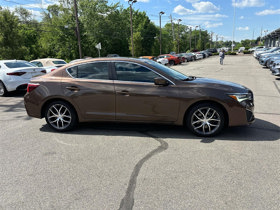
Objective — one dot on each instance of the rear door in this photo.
(91, 89)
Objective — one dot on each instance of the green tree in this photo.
(10, 38)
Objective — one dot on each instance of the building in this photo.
(272, 39)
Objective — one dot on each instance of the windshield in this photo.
(170, 72)
(59, 62)
(19, 64)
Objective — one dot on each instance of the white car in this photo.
(50, 64)
(198, 56)
(163, 61)
(15, 75)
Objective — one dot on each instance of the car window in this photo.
(98, 70)
(171, 72)
(59, 62)
(18, 64)
(134, 72)
(37, 63)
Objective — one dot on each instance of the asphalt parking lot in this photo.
(132, 166)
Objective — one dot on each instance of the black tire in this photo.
(205, 120)
(171, 63)
(60, 116)
(3, 90)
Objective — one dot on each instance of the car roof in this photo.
(3, 61)
(137, 60)
(47, 61)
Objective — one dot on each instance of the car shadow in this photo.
(261, 130)
(16, 94)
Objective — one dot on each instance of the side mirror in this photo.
(161, 81)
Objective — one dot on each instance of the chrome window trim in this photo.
(114, 61)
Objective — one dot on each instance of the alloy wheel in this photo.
(205, 121)
(59, 116)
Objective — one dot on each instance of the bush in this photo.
(246, 52)
(231, 53)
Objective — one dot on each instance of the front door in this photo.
(139, 99)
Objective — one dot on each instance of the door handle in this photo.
(123, 92)
(73, 88)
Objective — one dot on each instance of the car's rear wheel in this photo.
(3, 90)
(60, 116)
(171, 63)
(205, 119)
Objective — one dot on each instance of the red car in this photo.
(173, 60)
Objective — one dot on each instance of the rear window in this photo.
(19, 64)
(98, 70)
(59, 62)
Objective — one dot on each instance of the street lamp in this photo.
(233, 29)
(179, 20)
(160, 14)
(190, 38)
(195, 36)
(130, 2)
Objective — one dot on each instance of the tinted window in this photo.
(97, 70)
(59, 62)
(37, 63)
(134, 72)
(168, 71)
(19, 64)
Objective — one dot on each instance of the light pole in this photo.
(179, 20)
(190, 38)
(161, 13)
(233, 29)
(130, 2)
(195, 36)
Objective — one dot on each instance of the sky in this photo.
(252, 18)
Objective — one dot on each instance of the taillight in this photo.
(44, 71)
(32, 86)
(53, 69)
(16, 73)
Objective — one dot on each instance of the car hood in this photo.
(219, 85)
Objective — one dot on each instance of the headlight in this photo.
(241, 96)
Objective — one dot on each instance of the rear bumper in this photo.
(12, 85)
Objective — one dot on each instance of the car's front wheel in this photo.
(205, 119)
(60, 116)
(3, 90)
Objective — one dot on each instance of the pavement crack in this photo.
(127, 202)
(274, 82)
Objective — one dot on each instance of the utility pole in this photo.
(199, 32)
(211, 35)
(78, 28)
(130, 2)
(172, 27)
(161, 13)
(178, 40)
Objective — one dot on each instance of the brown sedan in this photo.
(136, 90)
